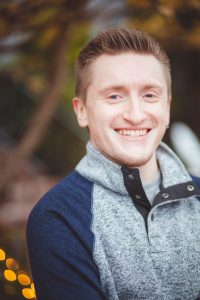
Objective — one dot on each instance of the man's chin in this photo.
(132, 162)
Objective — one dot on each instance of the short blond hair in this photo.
(112, 42)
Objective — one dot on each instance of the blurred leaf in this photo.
(139, 4)
(3, 26)
(45, 15)
(193, 37)
(47, 37)
(174, 22)
(171, 5)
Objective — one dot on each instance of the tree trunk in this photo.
(43, 115)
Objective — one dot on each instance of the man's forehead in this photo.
(127, 63)
(116, 70)
(131, 55)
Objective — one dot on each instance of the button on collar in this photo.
(165, 195)
(190, 187)
(131, 177)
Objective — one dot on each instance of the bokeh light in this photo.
(12, 264)
(28, 293)
(10, 275)
(2, 254)
(24, 279)
(13, 273)
(33, 287)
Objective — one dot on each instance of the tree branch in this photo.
(42, 117)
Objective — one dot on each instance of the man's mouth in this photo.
(132, 133)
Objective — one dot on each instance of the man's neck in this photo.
(150, 171)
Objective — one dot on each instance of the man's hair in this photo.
(112, 42)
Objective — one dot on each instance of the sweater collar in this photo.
(99, 169)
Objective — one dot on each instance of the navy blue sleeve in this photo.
(60, 243)
(196, 180)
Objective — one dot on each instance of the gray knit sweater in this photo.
(156, 256)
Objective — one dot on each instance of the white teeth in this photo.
(134, 133)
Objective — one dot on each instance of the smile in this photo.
(131, 132)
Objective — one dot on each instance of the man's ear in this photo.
(81, 112)
(169, 113)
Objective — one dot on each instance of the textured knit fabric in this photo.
(88, 240)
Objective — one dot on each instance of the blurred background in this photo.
(40, 141)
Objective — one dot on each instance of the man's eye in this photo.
(151, 97)
(115, 97)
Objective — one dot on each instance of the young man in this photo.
(125, 223)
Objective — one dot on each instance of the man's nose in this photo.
(134, 112)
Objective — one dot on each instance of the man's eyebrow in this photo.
(152, 86)
(112, 87)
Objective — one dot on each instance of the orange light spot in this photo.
(24, 279)
(12, 264)
(28, 293)
(33, 287)
(2, 254)
(10, 275)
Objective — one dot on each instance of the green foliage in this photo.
(29, 29)
(79, 35)
(175, 23)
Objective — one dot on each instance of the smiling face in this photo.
(127, 107)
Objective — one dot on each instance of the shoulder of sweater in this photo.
(68, 193)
